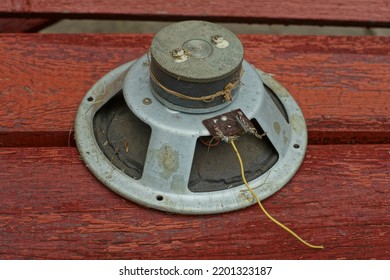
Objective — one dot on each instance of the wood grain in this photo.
(14, 25)
(336, 12)
(341, 83)
(52, 207)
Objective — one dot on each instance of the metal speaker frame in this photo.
(164, 181)
(140, 128)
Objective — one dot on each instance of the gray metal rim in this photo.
(163, 184)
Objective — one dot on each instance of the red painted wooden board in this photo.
(344, 12)
(51, 207)
(341, 83)
(13, 25)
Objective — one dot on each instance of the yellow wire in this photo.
(261, 205)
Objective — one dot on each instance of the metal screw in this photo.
(147, 101)
(177, 53)
(219, 41)
(216, 39)
(180, 55)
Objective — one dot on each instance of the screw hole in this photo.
(90, 99)
(296, 146)
(159, 197)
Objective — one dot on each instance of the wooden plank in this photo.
(341, 83)
(51, 207)
(336, 12)
(14, 25)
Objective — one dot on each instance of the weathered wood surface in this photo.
(53, 208)
(336, 12)
(341, 83)
(14, 25)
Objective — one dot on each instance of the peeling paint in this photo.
(277, 127)
(168, 160)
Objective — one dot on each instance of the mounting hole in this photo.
(159, 197)
(296, 146)
(90, 99)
